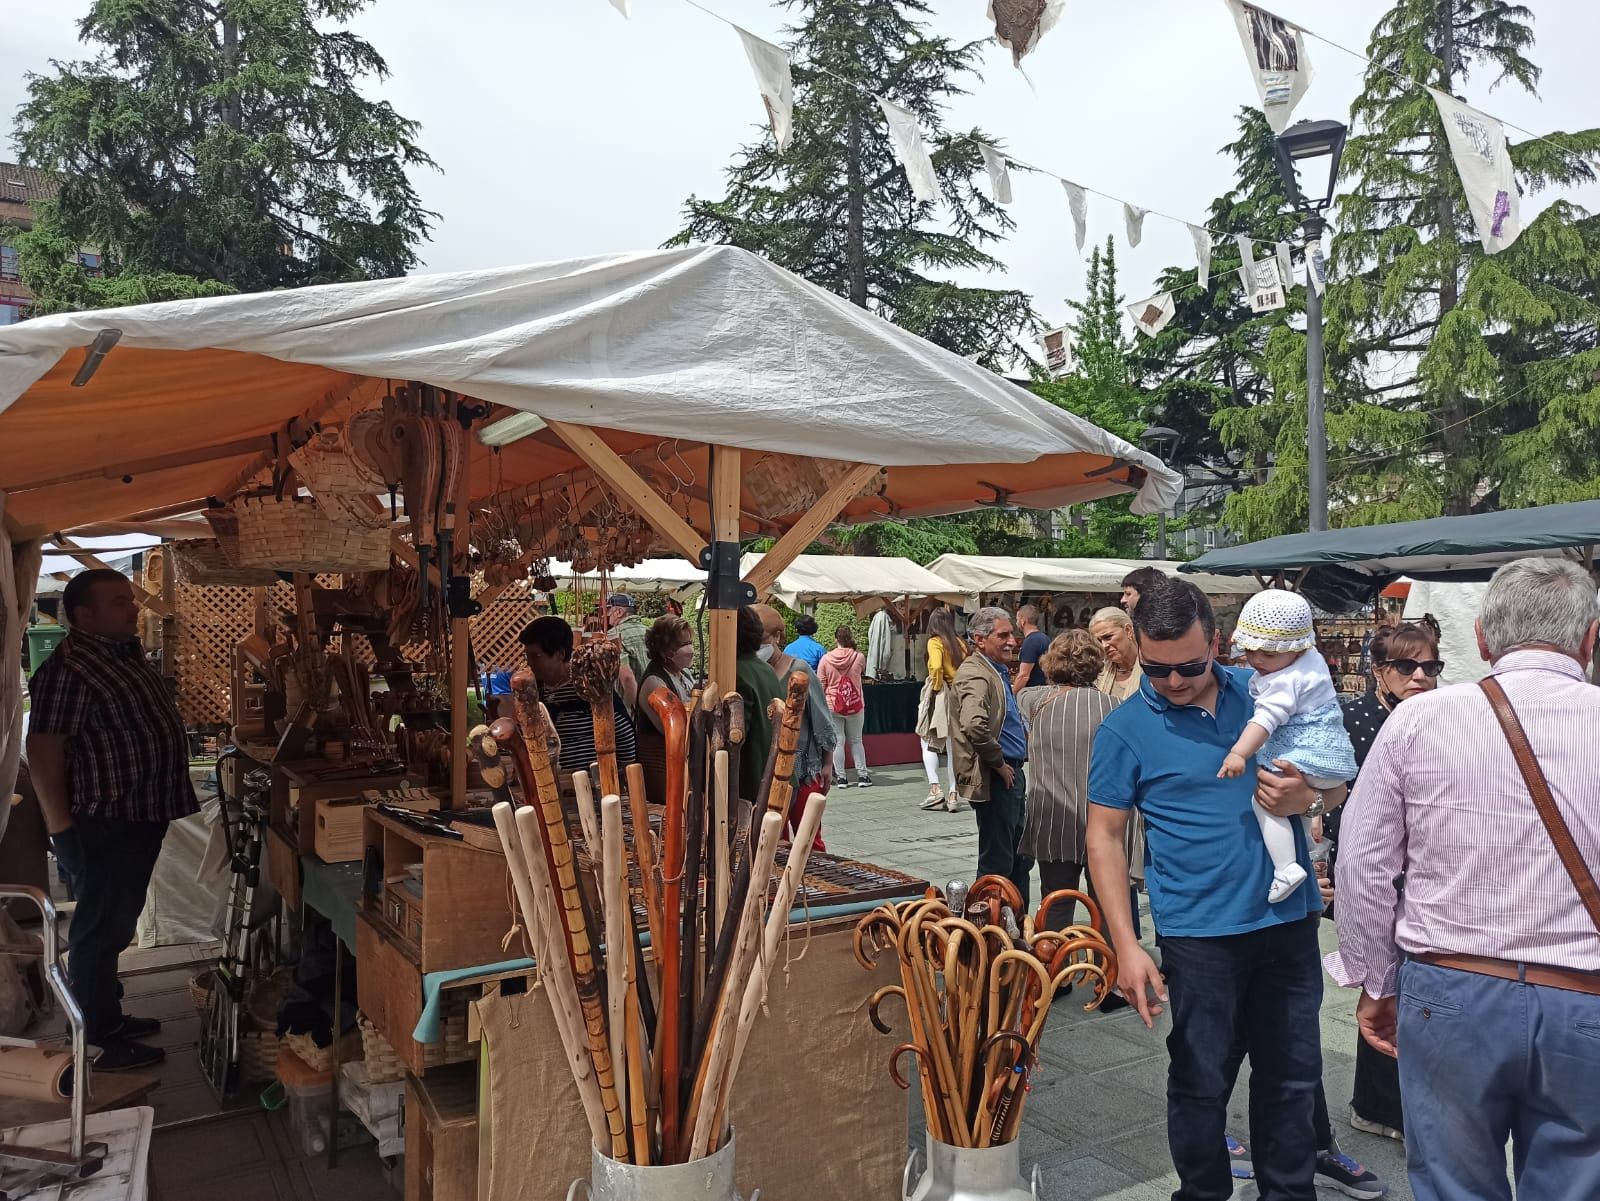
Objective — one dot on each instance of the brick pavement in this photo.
(1096, 1122)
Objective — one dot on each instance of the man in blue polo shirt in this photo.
(1242, 975)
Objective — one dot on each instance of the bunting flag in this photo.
(1133, 218)
(1286, 265)
(1019, 24)
(1079, 203)
(623, 6)
(1202, 256)
(1276, 51)
(1060, 350)
(999, 174)
(1247, 257)
(1478, 144)
(1261, 286)
(771, 66)
(1317, 267)
(1152, 316)
(906, 138)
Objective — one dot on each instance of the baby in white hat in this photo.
(1297, 717)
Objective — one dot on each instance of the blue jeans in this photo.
(119, 857)
(1484, 1060)
(1000, 821)
(1258, 993)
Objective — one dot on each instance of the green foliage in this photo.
(836, 207)
(217, 145)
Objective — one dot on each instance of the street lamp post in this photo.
(1309, 142)
(1163, 443)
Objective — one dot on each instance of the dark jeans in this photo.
(1000, 821)
(118, 858)
(1377, 1091)
(1258, 993)
(1055, 876)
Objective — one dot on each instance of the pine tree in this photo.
(836, 207)
(1494, 356)
(217, 145)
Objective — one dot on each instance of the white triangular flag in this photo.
(1478, 144)
(1202, 256)
(906, 138)
(623, 7)
(1019, 24)
(999, 174)
(1151, 316)
(1286, 265)
(771, 66)
(1133, 218)
(1078, 202)
(1317, 267)
(1261, 285)
(1276, 51)
(1247, 257)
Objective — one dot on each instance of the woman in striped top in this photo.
(1062, 718)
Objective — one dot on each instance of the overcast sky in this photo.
(563, 130)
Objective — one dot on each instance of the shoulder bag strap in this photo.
(1543, 801)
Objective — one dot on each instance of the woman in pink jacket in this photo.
(841, 671)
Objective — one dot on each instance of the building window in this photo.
(9, 266)
(10, 314)
(90, 263)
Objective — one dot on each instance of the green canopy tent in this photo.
(1341, 570)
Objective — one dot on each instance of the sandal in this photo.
(935, 798)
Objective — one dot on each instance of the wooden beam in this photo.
(331, 400)
(630, 488)
(147, 600)
(804, 532)
(136, 467)
(722, 652)
(402, 550)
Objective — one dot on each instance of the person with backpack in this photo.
(842, 671)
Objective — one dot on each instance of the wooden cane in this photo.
(738, 732)
(563, 874)
(563, 997)
(594, 678)
(618, 935)
(644, 852)
(780, 785)
(691, 986)
(710, 1078)
(674, 724)
(719, 793)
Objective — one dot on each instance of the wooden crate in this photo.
(283, 866)
(391, 998)
(297, 787)
(340, 822)
(442, 1135)
(465, 911)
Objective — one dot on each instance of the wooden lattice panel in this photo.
(211, 621)
(495, 630)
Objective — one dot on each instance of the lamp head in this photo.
(1318, 146)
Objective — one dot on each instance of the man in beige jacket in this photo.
(989, 745)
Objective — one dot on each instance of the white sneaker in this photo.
(1285, 881)
(935, 798)
(1362, 1124)
(952, 803)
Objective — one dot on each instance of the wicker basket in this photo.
(385, 1066)
(200, 991)
(784, 484)
(297, 535)
(203, 561)
(258, 1056)
(225, 529)
(328, 468)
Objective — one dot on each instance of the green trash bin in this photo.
(42, 639)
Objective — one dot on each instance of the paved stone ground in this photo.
(1096, 1122)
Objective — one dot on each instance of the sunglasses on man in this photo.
(1160, 671)
(1409, 667)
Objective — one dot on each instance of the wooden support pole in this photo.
(460, 639)
(633, 490)
(724, 633)
(803, 532)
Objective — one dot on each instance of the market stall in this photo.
(407, 451)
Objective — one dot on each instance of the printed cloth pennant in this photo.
(906, 138)
(1019, 24)
(1285, 265)
(1152, 315)
(1202, 256)
(1317, 267)
(1262, 288)
(1247, 257)
(771, 66)
(1276, 52)
(994, 162)
(1133, 219)
(1078, 202)
(1478, 145)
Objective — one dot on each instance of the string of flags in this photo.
(1275, 52)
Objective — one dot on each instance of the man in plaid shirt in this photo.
(110, 762)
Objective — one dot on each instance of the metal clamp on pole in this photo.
(724, 588)
(81, 1159)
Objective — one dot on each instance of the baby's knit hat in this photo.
(1275, 620)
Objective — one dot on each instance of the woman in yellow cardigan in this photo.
(945, 653)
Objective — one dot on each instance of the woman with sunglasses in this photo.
(1405, 663)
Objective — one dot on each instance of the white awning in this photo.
(974, 574)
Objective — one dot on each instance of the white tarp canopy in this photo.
(867, 581)
(708, 344)
(974, 574)
(677, 577)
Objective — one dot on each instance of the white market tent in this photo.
(977, 574)
(867, 581)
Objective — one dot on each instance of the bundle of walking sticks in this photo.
(978, 975)
(654, 1041)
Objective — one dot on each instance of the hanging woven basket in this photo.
(328, 467)
(780, 485)
(203, 561)
(295, 534)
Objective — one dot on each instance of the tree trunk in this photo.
(855, 232)
(1459, 477)
(231, 113)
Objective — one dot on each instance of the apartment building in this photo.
(21, 188)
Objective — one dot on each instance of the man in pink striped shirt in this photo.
(1485, 978)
